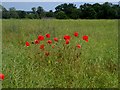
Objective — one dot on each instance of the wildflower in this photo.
(2, 76)
(76, 34)
(67, 37)
(53, 46)
(56, 39)
(42, 46)
(85, 38)
(78, 45)
(47, 35)
(49, 41)
(27, 44)
(67, 41)
(40, 37)
(36, 42)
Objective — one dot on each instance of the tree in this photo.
(75, 13)
(61, 15)
(30, 16)
(5, 14)
(68, 9)
(88, 11)
(118, 13)
(35, 13)
(97, 8)
(40, 12)
(21, 14)
(13, 13)
(50, 14)
(2, 8)
(107, 11)
(34, 10)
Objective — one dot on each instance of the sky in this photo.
(59, 0)
(26, 6)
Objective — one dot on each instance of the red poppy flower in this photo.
(27, 44)
(2, 76)
(47, 53)
(36, 42)
(53, 46)
(67, 41)
(78, 45)
(42, 46)
(85, 38)
(76, 34)
(67, 37)
(48, 35)
(56, 39)
(40, 37)
(49, 41)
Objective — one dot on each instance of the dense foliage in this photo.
(67, 11)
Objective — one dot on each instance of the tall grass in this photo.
(92, 66)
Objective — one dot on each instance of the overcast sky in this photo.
(46, 5)
(60, 0)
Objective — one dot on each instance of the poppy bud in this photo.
(67, 41)
(42, 46)
(85, 38)
(47, 35)
(36, 42)
(27, 44)
(49, 41)
(78, 45)
(2, 76)
(53, 46)
(56, 39)
(76, 34)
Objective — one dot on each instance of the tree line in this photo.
(67, 11)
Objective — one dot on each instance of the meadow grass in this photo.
(94, 65)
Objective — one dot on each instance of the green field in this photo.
(94, 65)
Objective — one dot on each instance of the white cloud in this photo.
(59, 0)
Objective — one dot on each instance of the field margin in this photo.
(119, 53)
(0, 45)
